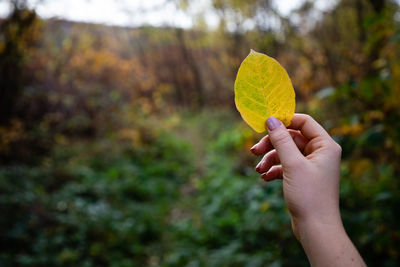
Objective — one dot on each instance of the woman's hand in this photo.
(310, 166)
(308, 161)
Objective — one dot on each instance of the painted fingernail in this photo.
(253, 148)
(258, 166)
(273, 123)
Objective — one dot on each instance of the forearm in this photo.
(310, 169)
(328, 245)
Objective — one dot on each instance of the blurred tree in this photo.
(17, 35)
(191, 63)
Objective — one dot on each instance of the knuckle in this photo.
(307, 117)
(336, 148)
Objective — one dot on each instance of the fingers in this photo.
(307, 126)
(319, 139)
(305, 135)
(262, 147)
(265, 145)
(282, 141)
(274, 173)
(270, 159)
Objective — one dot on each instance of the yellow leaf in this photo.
(263, 89)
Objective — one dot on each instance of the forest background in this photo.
(121, 146)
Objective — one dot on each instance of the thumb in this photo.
(282, 141)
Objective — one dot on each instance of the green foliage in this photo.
(94, 203)
(110, 203)
(232, 220)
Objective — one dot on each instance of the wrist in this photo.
(327, 244)
(314, 227)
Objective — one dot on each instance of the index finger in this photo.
(308, 126)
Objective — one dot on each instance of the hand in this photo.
(310, 169)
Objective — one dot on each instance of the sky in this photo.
(137, 12)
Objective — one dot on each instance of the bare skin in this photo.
(308, 161)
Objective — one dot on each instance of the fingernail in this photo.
(258, 166)
(253, 148)
(263, 176)
(273, 123)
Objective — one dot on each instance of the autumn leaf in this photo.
(263, 89)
